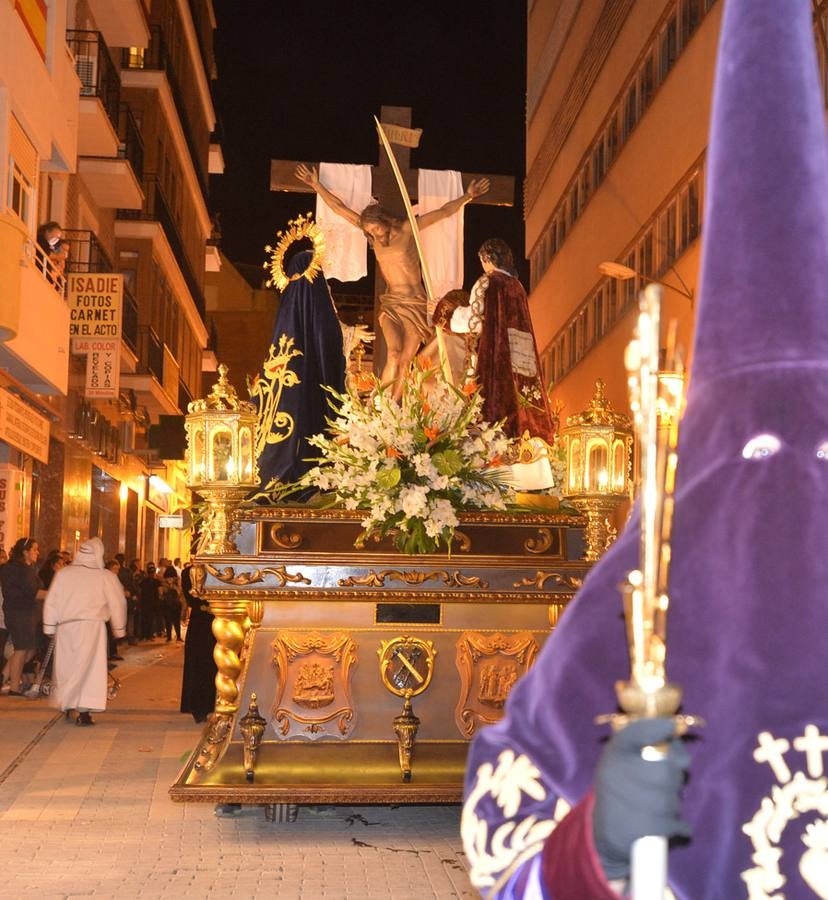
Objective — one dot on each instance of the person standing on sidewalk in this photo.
(83, 596)
(149, 601)
(198, 686)
(125, 576)
(171, 602)
(21, 588)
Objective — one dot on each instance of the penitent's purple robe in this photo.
(748, 621)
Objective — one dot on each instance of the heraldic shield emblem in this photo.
(489, 666)
(313, 696)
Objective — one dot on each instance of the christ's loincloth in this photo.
(409, 313)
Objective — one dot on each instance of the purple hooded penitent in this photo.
(748, 621)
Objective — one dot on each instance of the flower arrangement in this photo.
(411, 466)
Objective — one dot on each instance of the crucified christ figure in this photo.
(403, 317)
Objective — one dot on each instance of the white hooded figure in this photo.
(81, 598)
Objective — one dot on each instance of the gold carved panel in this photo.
(313, 696)
(489, 666)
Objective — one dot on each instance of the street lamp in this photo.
(620, 272)
(598, 444)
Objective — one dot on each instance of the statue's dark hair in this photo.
(375, 214)
(498, 253)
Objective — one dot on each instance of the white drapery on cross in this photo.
(442, 242)
(346, 248)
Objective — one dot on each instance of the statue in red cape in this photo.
(506, 364)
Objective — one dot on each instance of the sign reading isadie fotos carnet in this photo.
(95, 301)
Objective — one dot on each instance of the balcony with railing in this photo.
(155, 57)
(86, 253)
(35, 349)
(155, 366)
(129, 321)
(131, 144)
(156, 208)
(100, 93)
(124, 23)
(114, 181)
(150, 352)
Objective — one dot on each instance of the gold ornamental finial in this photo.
(222, 396)
(252, 727)
(599, 411)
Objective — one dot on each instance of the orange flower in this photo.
(469, 388)
(431, 432)
(495, 461)
(341, 441)
(426, 407)
(424, 362)
(393, 453)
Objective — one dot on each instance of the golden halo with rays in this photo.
(301, 227)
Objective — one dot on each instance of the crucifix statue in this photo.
(400, 308)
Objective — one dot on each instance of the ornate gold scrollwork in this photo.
(320, 680)
(378, 579)
(540, 578)
(489, 666)
(314, 726)
(284, 538)
(214, 741)
(227, 575)
(539, 544)
(466, 517)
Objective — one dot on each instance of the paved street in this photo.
(84, 812)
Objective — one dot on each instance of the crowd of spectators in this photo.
(158, 602)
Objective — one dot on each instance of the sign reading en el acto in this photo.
(95, 301)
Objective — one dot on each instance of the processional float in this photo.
(354, 674)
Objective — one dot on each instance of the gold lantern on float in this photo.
(598, 445)
(221, 437)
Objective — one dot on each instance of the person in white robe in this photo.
(81, 599)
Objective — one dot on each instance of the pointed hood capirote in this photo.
(749, 603)
(765, 245)
(90, 554)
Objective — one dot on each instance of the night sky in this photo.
(302, 81)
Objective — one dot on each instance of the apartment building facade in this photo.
(106, 120)
(618, 106)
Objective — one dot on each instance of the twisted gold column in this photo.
(230, 625)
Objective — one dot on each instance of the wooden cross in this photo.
(384, 187)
